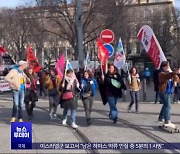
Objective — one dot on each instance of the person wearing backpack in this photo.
(134, 87)
(166, 88)
(52, 83)
(113, 89)
(88, 91)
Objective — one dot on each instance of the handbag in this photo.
(86, 94)
(67, 95)
(115, 83)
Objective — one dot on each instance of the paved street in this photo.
(131, 127)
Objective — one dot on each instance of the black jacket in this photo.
(112, 91)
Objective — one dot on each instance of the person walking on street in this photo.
(17, 80)
(31, 93)
(41, 79)
(156, 85)
(69, 97)
(166, 81)
(52, 83)
(113, 88)
(147, 75)
(88, 91)
(134, 87)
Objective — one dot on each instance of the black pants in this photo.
(29, 108)
(88, 103)
(42, 90)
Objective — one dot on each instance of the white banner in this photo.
(4, 85)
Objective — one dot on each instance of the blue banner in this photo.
(21, 135)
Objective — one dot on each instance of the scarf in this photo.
(70, 82)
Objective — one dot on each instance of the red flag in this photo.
(32, 60)
(2, 50)
(102, 54)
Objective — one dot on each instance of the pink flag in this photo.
(151, 45)
(60, 66)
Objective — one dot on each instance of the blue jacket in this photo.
(170, 87)
(85, 83)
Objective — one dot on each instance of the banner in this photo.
(32, 60)
(4, 85)
(120, 59)
(60, 66)
(151, 45)
(102, 54)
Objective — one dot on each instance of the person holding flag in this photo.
(69, 96)
(52, 83)
(113, 89)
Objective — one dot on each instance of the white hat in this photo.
(21, 62)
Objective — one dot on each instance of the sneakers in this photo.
(20, 120)
(13, 119)
(89, 122)
(115, 120)
(161, 121)
(64, 121)
(74, 125)
(170, 125)
(54, 116)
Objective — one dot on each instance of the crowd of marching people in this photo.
(84, 84)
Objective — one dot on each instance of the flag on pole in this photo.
(60, 66)
(151, 45)
(69, 66)
(120, 59)
(87, 61)
(2, 51)
(102, 54)
(32, 60)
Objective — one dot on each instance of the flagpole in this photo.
(101, 70)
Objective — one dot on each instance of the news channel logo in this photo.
(21, 135)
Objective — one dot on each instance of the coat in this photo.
(164, 77)
(71, 103)
(112, 91)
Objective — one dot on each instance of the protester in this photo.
(134, 87)
(41, 79)
(147, 75)
(166, 81)
(31, 93)
(69, 97)
(113, 88)
(52, 83)
(17, 80)
(156, 85)
(88, 86)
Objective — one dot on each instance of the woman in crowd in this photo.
(69, 97)
(88, 91)
(113, 87)
(31, 93)
(52, 83)
(134, 87)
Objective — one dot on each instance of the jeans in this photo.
(134, 99)
(53, 103)
(18, 102)
(88, 103)
(112, 105)
(165, 110)
(73, 114)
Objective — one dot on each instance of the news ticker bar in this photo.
(101, 146)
